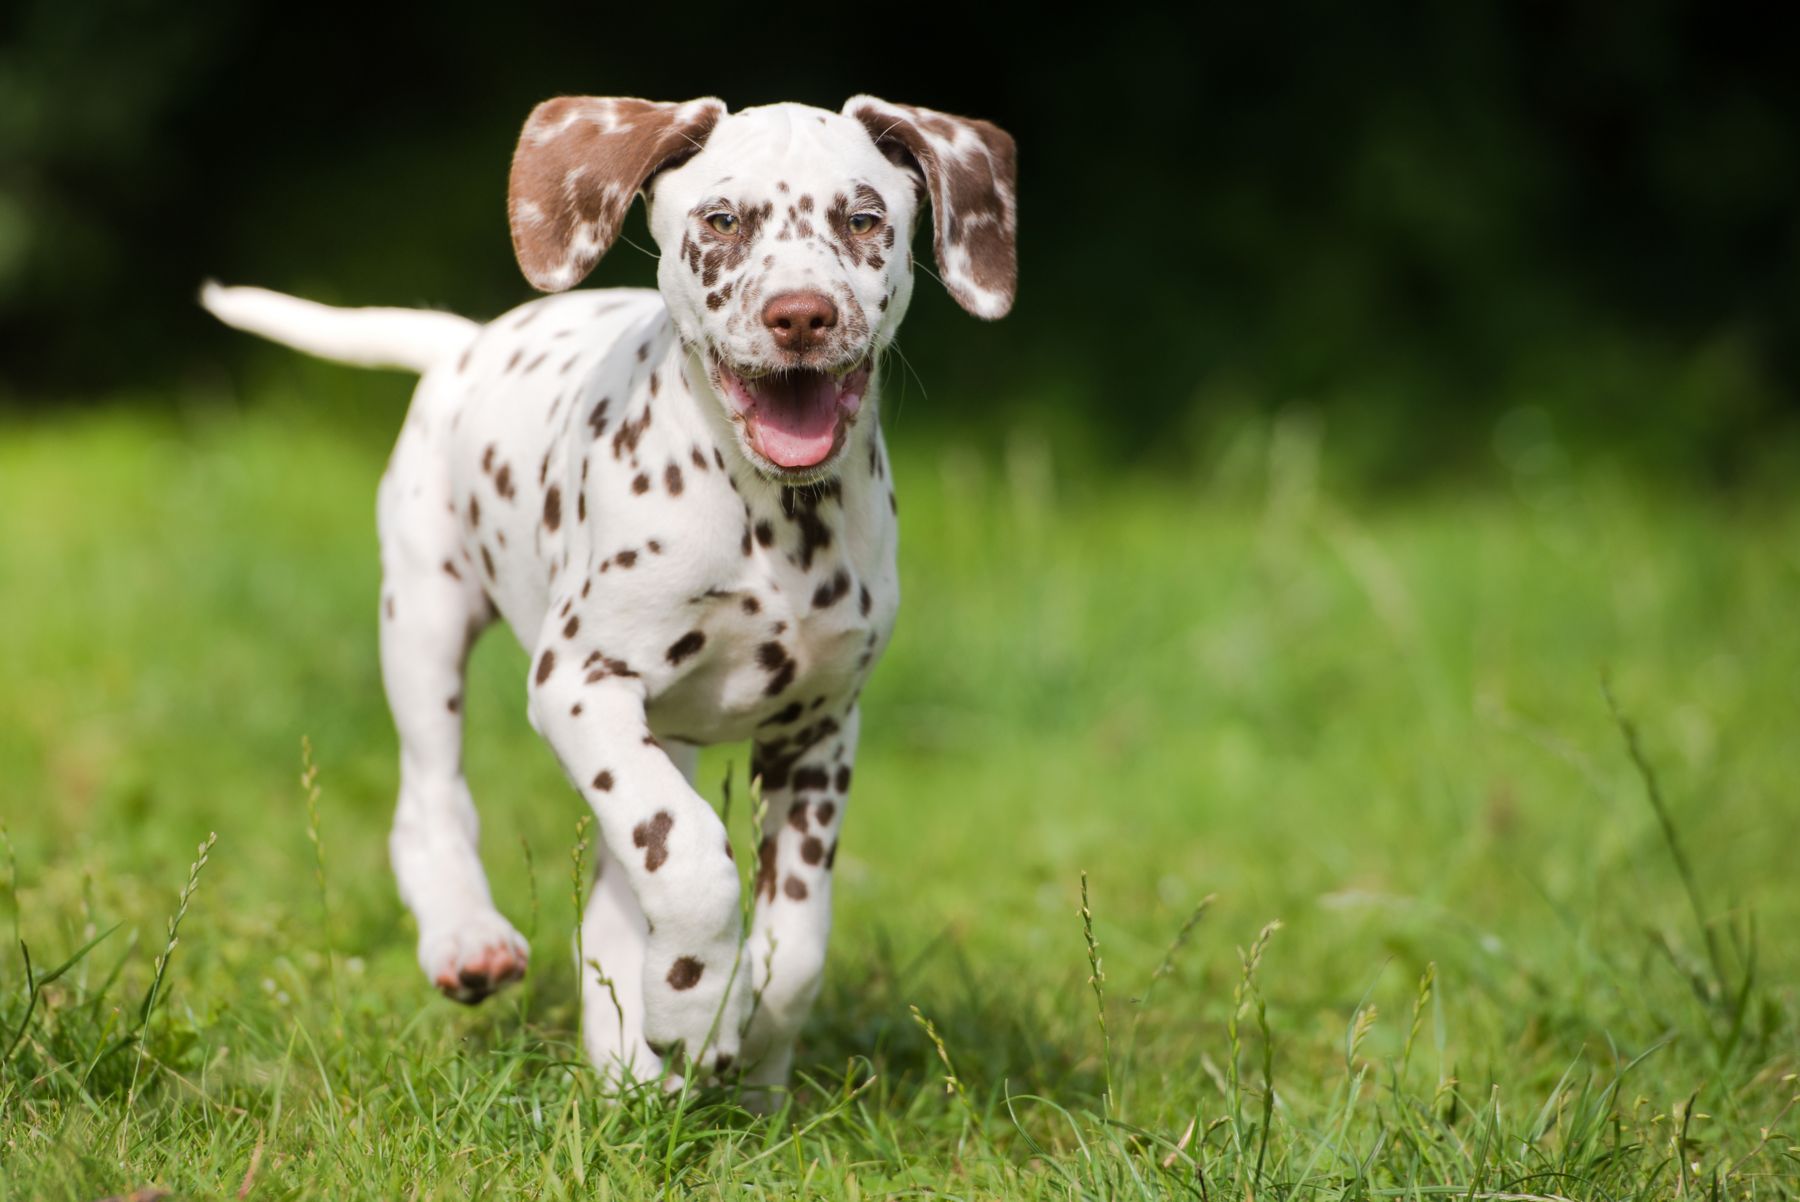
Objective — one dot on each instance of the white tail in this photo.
(413, 339)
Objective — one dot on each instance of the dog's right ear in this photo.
(579, 162)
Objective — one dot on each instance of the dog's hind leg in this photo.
(432, 608)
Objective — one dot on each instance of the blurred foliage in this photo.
(1419, 222)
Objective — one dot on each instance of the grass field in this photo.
(1379, 723)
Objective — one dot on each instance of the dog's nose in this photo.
(799, 321)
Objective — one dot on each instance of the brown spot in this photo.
(387, 606)
(625, 558)
(685, 973)
(672, 479)
(608, 666)
(546, 665)
(765, 868)
(487, 561)
(685, 646)
(811, 850)
(503, 482)
(553, 508)
(641, 484)
(536, 363)
(625, 440)
(597, 419)
(811, 778)
(787, 714)
(454, 705)
(513, 361)
(825, 811)
(751, 605)
(765, 534)
(474, 512)
(603, 781)
(487, 459)
(831, 856)
(801, 505)
(864, 601)
(795, 888)
(797, 812)
(571, 626)
(450, 570)
(653, 837)
(654, 547)
(718, 459)
(843, 778)
(827, 595)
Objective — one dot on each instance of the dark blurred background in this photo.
(1412, 220)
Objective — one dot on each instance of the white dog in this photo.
(680, 502)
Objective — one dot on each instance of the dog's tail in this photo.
(413, 339)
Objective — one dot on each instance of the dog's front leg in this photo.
(806, 798)
(674, 853)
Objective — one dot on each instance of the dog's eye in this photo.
(725, 223)
(864, 223)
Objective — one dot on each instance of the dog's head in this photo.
(785, 234)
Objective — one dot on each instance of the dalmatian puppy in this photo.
(680, 502)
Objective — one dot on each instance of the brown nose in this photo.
(800, 321)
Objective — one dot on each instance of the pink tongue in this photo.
(794, 422)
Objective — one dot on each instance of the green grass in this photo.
(1378, 723)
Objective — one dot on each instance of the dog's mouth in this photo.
(794, 419)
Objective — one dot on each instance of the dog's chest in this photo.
(783, 629)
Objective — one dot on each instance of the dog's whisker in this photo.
(648, 254)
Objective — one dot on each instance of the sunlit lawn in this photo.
(1378, 721)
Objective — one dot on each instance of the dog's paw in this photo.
(695, 1010)
(472, 958)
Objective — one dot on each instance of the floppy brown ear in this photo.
(971, 171)
(579, 162)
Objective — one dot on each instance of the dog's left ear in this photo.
(971, 169)
(580, 161)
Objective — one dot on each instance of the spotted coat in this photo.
(607, 473)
